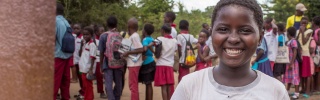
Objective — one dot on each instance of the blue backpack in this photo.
(68, 42)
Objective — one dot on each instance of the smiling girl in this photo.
(236, 33)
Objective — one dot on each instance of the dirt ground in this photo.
(74, 87)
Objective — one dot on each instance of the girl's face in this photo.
(100, 31)
(235, 35)
(76, 29)
(86, 35)
(202, 37)
(304, 23)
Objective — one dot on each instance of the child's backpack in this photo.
(68, 41)
(112, 50)
(190, 59)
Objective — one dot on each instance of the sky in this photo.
(200, 4)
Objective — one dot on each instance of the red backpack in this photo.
(112, 50)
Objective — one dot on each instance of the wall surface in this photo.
(27, 34)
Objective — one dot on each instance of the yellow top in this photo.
(290, 21)
(305, 47)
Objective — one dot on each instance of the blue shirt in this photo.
(61, 28)
(263, 45)
(149, 55)
(102, 49)
(281, 40)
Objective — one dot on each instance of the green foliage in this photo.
(146, 11)
(286, 8)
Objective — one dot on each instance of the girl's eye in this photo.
(245, 30)
(222, 29)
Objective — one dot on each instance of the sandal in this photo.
(305, 95)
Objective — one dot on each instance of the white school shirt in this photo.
(209, 44)
(169, 47)
(182, 42)
(76, 56)
(200, 85)
(136, 43)
(89, 50)
(272, 42)
(173, 32)
(98, 52)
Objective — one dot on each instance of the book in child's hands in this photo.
(126, 45)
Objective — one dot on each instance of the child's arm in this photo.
(259, 55)
(204, 54)
(81, 47)
(138, 47)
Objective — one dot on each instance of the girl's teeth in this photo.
(233, 51)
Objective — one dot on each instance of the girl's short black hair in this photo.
(149, 28)
(305, 18)
(60, 9)
(112, 22)
(97, 27)
(291, 31)
(281, 27)
(171, 15)
(166, 28)
(268, 20)
(316, 20)
(89, 29)
(206, 32)
(250, 4)
(184, 25)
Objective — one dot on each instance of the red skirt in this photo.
(200, 66)
(163, 76)
(306, 67)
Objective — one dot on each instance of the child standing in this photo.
(262, 62)
(87, 62)
(164, 71)
(98, 30)
(148, 68)
(134, 66)
(78, 36)
(304, 37)
(316, 28)
(280, 68)
(291, 75)
(203, 50)
(182, 39)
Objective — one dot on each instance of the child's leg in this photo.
(164, 91)
(80, 79)
(169, 91)
(182, 72)
(303, 89)
(108, 77)
(318, 81)
(74, 74)
(307, 85)
(65, 83)
(84, 84)
(288, 86)
(118, 80)
(149, 92)
(99, 79)
(88, 94)
(133, 82)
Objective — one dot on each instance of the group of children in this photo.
(92, 60)
(302, 44)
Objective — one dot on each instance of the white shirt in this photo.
(209, 44)
(98, 52)
(136, 43)
(169, 47)
(181, 38)
(89, 51)
(173, 32)
(76, 56)
(272, 42)
(200, 85)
